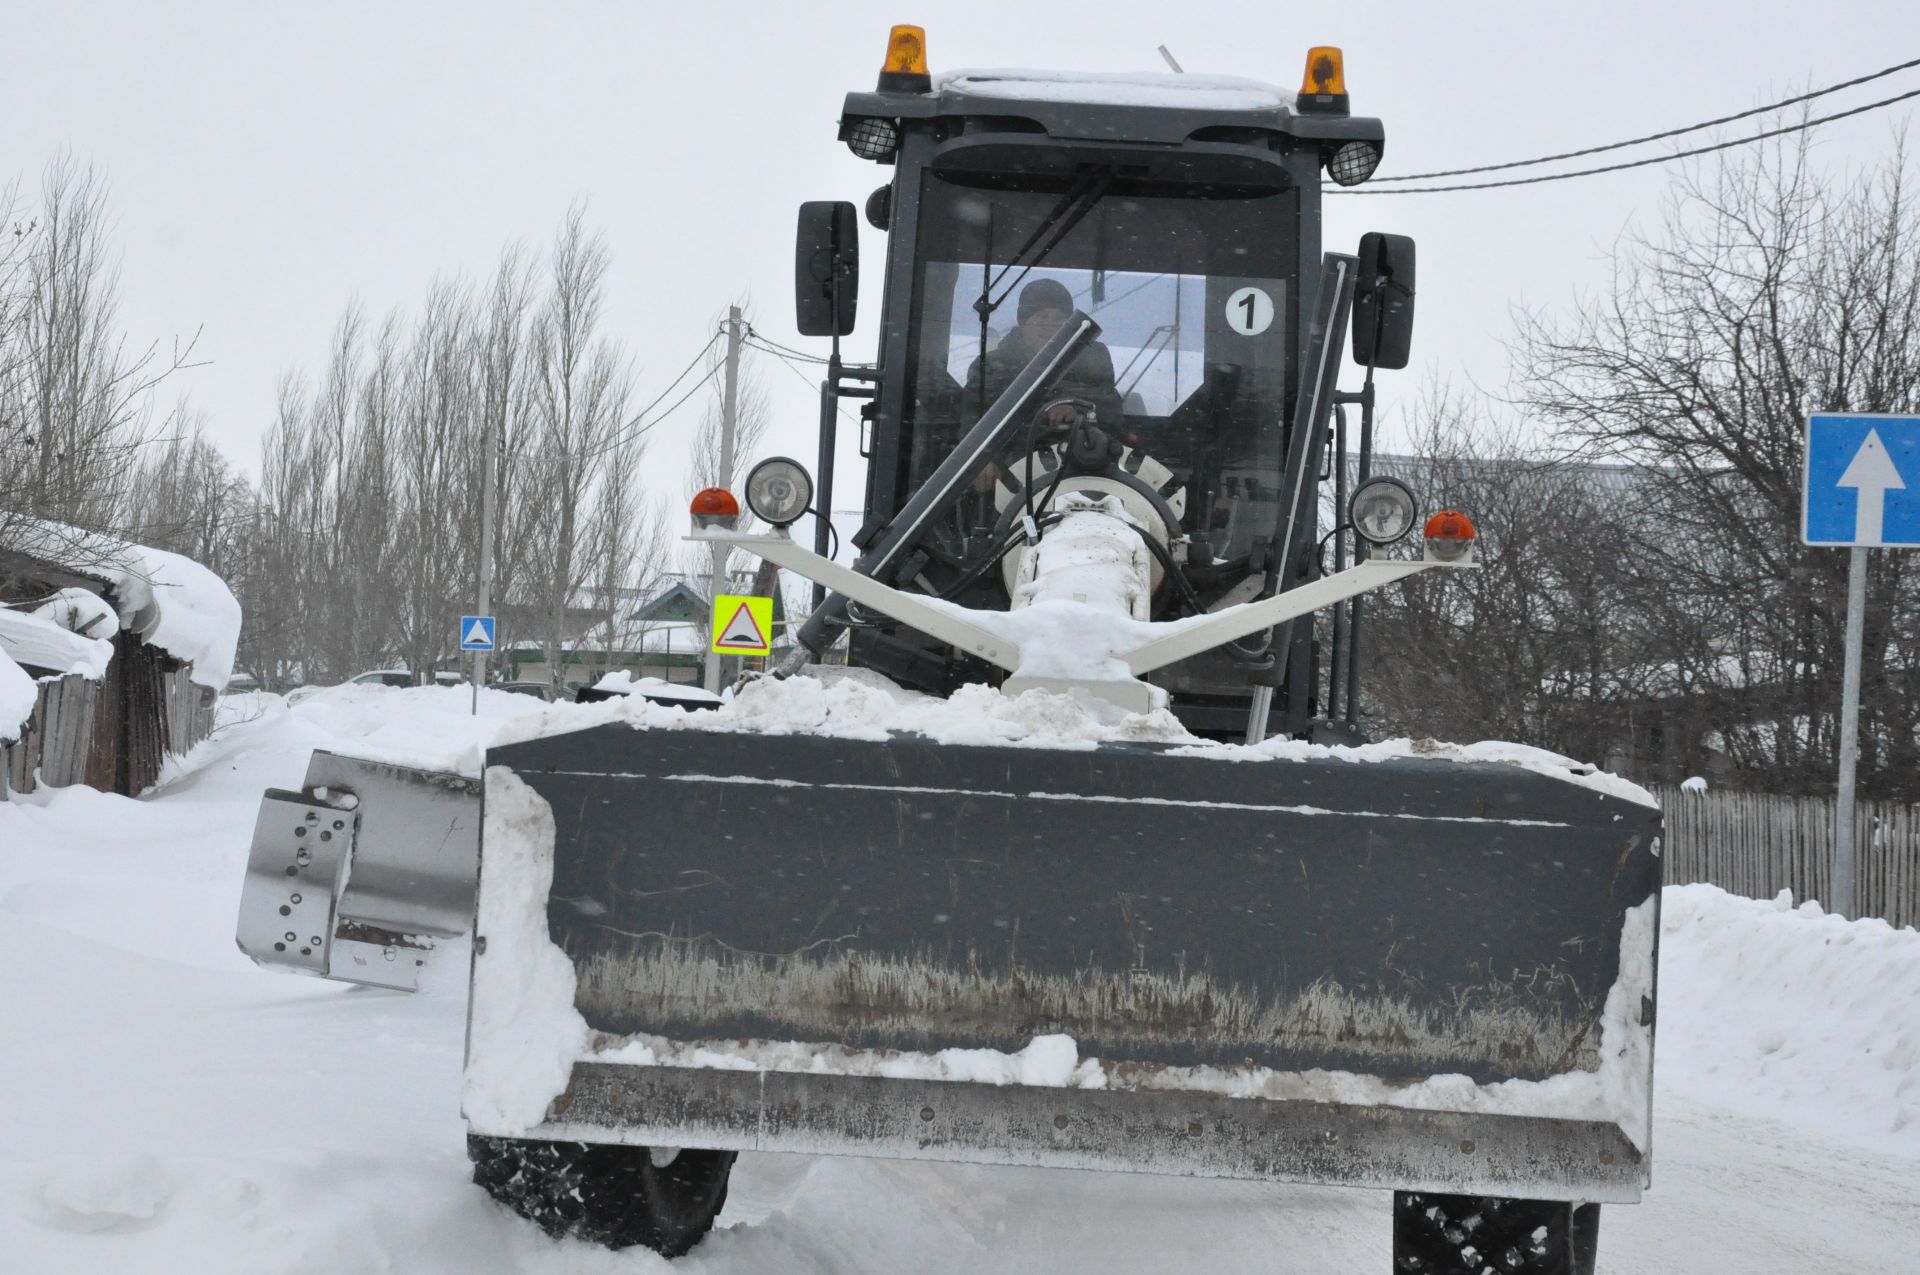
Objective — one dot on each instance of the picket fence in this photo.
(1758, 844)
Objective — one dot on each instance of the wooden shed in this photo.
(126, 648)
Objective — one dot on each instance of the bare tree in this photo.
(582, 391)
(74, 398)
(1770, 290)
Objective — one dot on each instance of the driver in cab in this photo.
(1043, 307)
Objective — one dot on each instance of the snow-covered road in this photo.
(165, 1106)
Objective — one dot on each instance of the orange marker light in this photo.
(1450, 536)
(1326, 72)
(715, 501)
(1323, 89)
(1450, 524)
(906, 52)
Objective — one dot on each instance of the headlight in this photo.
(1382, 510)
(876, 138)
(779, 490)
(1353, 163)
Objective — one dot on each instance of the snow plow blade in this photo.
(822, 914)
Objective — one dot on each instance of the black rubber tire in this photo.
(607, 1194)
(1471, 1235)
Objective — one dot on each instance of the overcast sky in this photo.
(271, 162)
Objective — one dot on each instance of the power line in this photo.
(641, 423)
(1640, 163)
(796, 370)
(691, 364)
(1656, 137)
(754, 333)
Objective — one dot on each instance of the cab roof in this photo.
(1156, 107)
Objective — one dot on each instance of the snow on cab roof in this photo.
(1118, 88)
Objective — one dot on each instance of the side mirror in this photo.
(826, 268)
(1383, 301)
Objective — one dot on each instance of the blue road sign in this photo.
(476, 633)
(1862, 481)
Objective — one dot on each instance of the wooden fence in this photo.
(114, 734)
(1757, 844)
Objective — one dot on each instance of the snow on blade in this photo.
(524, 1034)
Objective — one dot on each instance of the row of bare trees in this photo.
(370, 491)
(357, 545)
(1646, 593)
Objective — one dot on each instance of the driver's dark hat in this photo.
(1044, 294)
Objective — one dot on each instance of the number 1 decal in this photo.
(1250, 311)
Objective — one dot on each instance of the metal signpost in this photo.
(476, 634)
(1860, 491)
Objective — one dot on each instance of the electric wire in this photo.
(1657, 137)
(1802, 126)
(641, 421)
(639, 424)
(755, 334)
(797, 371)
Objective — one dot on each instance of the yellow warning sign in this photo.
(742, 625)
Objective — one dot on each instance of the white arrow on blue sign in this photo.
(476, 633)
(1862, 481)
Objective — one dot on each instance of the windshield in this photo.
(1194, 295)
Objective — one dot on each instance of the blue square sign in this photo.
(1862, 481)
(476, 633)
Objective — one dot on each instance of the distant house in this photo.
(111, 655)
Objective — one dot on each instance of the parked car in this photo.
(542, 690)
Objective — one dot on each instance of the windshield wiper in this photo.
(1054, 227)
(1059, 222)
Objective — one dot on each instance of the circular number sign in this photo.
(1250, 311)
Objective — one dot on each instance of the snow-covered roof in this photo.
(167, 600)
(35, 638)
(1118, 88)
(17, 698)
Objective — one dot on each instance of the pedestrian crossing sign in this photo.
(476, 633)
(742, 625)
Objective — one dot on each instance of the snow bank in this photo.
(1119, 88)
(1792, 1014)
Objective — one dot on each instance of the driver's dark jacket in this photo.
(1089, 377)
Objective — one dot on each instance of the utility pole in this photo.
(489, 478)
(729, 402)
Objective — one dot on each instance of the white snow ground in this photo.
(165, 1106)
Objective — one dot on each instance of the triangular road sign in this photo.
(478, 635)
(743, 634)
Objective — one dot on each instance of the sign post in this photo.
(1855, 494)
(476, 634)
